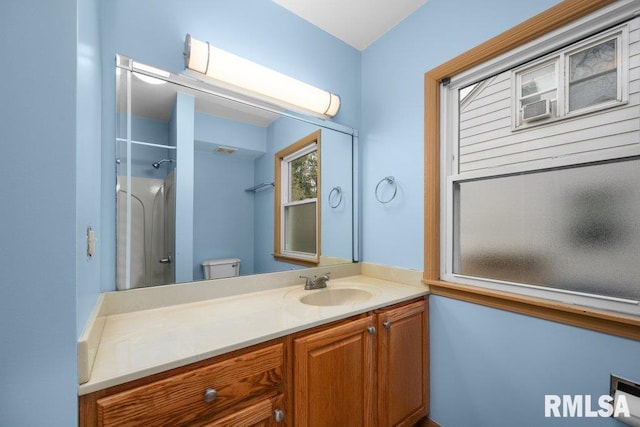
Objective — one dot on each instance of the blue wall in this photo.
(223, 211)
(493, 368)
(488, 367)
(392, 112)
(50, 123)
(88, 163)
(38, 252)
(336, 171)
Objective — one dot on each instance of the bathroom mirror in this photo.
(195, 180)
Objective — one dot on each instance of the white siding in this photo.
(487, 139)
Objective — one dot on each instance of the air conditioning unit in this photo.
(536, 110)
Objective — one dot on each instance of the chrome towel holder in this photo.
(336, 192)
(391, 181)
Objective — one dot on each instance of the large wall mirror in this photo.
(196, 187)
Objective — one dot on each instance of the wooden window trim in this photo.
(277, 244)
(547, 21)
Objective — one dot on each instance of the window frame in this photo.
(621, 36)
(452, 175)
(517, 122)
(573, 14)
(560, 58)
(283, 158)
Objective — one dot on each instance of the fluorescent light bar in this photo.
(258, 80)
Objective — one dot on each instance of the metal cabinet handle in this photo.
(386, 324)
(371, 330)
(278, 415)
(210, 395)
(166, 260)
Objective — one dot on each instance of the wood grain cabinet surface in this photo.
(260, 414)
(368, 370)
(240, 387)
(334, 376)
(373, 371)
(403, 364)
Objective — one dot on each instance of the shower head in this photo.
(159, 162)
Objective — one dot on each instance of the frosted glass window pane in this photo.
(575, 229)
(300, 228)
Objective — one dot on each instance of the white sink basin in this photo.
(336, 296)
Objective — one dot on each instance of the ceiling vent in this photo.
(225, 150)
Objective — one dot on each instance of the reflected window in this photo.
(297, 213)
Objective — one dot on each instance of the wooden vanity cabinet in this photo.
(243, 388)
(372, 371)
(403, 364)
(368, 370)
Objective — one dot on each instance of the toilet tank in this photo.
(220, 268)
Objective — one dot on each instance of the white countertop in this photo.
(137, 344)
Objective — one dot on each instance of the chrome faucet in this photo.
(316, 282)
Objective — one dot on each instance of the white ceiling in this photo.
(356, 22)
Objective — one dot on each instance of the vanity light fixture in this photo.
(255, 80)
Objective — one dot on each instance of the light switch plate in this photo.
(91, 242)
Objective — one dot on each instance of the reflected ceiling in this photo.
(156, 101)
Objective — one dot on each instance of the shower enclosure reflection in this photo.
(146, 197)
(152, 228)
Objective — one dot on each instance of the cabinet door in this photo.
(334, 376)
(403, 364)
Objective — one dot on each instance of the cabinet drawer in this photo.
(179, 400)
(261, 414)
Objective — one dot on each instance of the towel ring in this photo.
(338, 192)
(391, 181)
